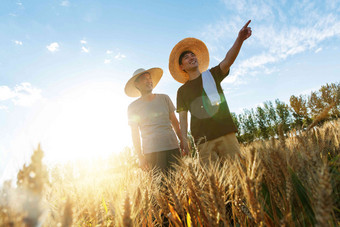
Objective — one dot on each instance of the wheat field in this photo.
(293, 180)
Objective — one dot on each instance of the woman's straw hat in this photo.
(188, 44)
(130, 88)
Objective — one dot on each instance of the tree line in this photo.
(266, 121)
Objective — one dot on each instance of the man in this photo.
(211, 123)
(152, 117)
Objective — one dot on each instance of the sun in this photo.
(87, 121)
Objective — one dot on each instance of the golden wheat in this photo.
(291, 181)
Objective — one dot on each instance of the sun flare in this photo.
(88, 121)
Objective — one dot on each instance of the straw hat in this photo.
(188, 44)
(130, 88)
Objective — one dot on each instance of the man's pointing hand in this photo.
(245, 32)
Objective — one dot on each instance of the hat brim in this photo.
(188, 44)
(130, 88)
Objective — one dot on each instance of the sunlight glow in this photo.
(88, 121)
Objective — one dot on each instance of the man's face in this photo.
(144, 82)
(189, 61)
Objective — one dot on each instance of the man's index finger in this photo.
(246, 25)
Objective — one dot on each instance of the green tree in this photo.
(235, 120)
(249, 128)
(330, 95)
(315, 104)
(300, 113)
(32, 179)
(284, 115)
(238, 126)
(261, 120)
(272, 119)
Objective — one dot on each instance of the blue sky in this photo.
(64, 64)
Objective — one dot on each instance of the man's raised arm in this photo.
(229, 59)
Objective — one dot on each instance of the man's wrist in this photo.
(239, 39)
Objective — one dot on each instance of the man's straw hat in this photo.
(130, 88)
(188, 44)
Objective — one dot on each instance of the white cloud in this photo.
(109, 52)
(17, 42)
(6, 93)
(318, 50)
(23, 94)
(217, 59)
(2, 107)
(65, 3)
(12, 14)
(258, 61)
(26, 95)
(84, 49)
(107, 61)
(120, 56)
(53, 47)
(19, 3)
(279, 30)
